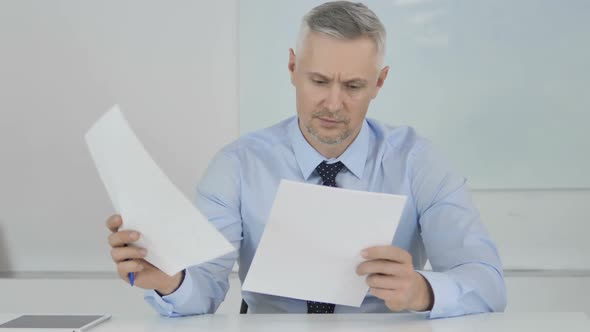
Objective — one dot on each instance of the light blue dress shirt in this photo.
(439, 222)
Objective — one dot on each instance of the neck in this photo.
(328, 150)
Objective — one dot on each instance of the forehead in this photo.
(332, 56)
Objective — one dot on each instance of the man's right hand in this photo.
(129, 258)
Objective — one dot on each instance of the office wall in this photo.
(172, 67)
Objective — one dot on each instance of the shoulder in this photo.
(399, 140)
(260, 142)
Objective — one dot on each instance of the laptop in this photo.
(53, 323)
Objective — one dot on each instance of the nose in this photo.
(334, 98)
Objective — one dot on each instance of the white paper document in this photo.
(313, 240)
(175, 234)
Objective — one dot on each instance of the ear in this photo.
(291, 65)
(381, 79)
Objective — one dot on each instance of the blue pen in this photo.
(130, 275)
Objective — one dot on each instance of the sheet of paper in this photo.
(312, 242)
(175, 234)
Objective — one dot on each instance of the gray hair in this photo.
(344, 20)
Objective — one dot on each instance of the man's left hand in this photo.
(392, 278)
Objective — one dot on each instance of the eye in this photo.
(318, 82)
(353, 86)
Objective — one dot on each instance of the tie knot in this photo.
(328, 172)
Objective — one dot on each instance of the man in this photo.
(337, 71)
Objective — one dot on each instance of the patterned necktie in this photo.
(328, 173)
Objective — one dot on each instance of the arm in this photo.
(467, 273)
(205, 286)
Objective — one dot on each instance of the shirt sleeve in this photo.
(467, 275)
(205, 285)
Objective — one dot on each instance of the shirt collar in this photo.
(308, 158)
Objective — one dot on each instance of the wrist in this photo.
(425, 299)
(173, 285)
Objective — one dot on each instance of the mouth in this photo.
(329, 123)
(328, 120)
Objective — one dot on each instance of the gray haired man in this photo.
(337, 70)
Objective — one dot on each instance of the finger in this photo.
(381, 266)
(126, 267)
(120, 239)
(387, 252)
(120, 254)
(383, 282)
(114, 222)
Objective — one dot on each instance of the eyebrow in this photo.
(352, 80)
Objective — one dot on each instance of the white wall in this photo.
(537, 230)
(173, 68)
(170, 65)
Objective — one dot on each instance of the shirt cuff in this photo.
(165, 305)
(446, 294)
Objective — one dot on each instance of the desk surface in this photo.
(522, 322)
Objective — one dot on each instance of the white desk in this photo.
(498, 322)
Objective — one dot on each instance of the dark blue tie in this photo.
(328, 173)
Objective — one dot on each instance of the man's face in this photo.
(335, 80)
